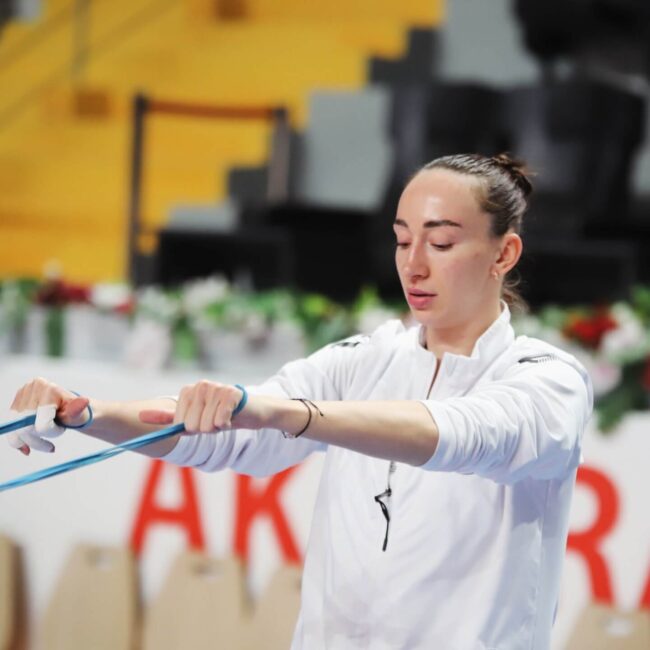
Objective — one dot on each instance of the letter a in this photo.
(186, 515)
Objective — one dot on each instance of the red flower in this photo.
(126, 308)
(56, 293)
(589, 330)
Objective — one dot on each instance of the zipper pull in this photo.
(388, 492)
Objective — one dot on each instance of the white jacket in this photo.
(477, 534)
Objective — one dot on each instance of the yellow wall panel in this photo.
(86, 256)
(64, 176)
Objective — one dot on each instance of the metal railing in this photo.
(278, 170)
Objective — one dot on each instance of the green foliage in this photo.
(628, 396)
(322, 320)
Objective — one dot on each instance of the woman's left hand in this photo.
(204, 407)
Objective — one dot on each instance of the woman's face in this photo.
(445, 254)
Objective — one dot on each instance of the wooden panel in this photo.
(201, 606)
(606, 628)
(277, 611)
(13, 607)
(7, 588)
(94, 604)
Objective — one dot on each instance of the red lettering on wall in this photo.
(150, 513)
(252, 503)
(645, 595)
(588, 542)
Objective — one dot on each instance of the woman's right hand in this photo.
(50, 402)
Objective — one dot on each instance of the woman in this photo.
(442, 513)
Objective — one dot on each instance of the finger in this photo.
(194, 411)
(71, 412)
(223, 416)
(151, 416)
(44, 424)
(15, 440)
(210, 408)
(32, 392)
(16, 405)
(184, 401)
(35, 442)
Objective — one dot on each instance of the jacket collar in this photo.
(488, 347)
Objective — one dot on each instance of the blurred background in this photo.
(194, 188)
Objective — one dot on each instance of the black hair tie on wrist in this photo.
(306, 402)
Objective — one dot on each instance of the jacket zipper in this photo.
(392, 467)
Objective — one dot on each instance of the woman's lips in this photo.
(420, 300)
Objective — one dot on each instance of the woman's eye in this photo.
(401, 244)
(442, 247)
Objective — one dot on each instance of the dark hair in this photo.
(503, 191)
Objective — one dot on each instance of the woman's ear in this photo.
(509, 253)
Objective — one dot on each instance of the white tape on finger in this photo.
(15, 438)
(29, 435)
(34, 441)
(45, 426)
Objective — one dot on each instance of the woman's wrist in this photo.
(263, 412)
(83, 423)
(291, 416)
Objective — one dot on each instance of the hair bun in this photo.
(517, 171)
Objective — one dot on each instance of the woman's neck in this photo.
(459, 340)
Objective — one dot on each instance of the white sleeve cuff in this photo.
(442, 458)
(190, 450)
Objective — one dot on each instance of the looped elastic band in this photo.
(88, 422)
(136, 443)
(242, 402)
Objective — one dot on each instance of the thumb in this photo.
(72, 411)
(151, 416)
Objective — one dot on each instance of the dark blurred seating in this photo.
(339, 170)
(439, 119)
(560, 271)
(611, 35)
(551, 28)
(580, 138)
(334, 234)
(416, 66)
(263, 257)
(7, 10)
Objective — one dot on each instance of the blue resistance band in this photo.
(136, 443)
(84, 460)
(21, 423)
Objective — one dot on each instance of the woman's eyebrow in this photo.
(432, 223)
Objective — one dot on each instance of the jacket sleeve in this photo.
(321, 376)
(528, 424)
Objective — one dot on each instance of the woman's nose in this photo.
(416, 265)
